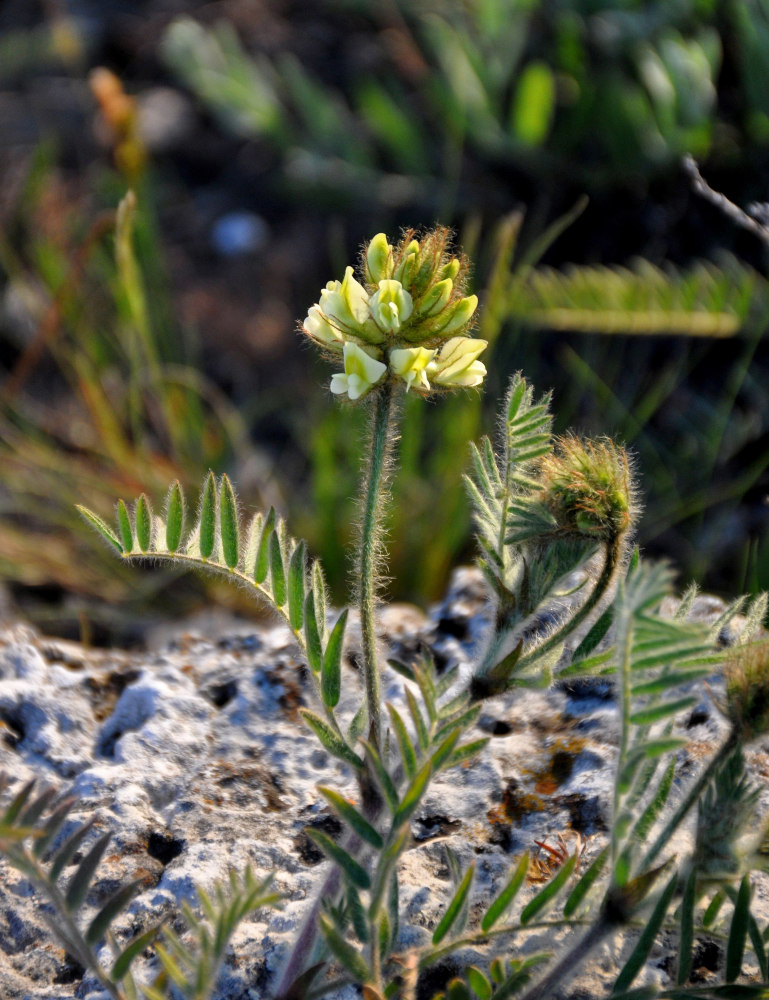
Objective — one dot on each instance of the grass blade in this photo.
(508, 894)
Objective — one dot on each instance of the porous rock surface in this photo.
(195, 757)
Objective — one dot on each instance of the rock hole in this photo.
(434, 826)
(11, 729)
(71, 971)
(221, 694)
(494, 727)
(164, 848)
(308, 852)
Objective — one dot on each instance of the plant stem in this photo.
(613, 559)
(370, 545)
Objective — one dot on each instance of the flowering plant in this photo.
(546, 510)
(408, 321)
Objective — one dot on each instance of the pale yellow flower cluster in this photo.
(409, 321)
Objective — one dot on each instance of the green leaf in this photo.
(18, 802)
(124, 526)
(351, 816)
(331, 740)
(457, 989)
(549, 891)
(311, 636)
(455, 906)
(262, 564)
(408, 753)
(443, 754)
(414, 793)
(345, 953)
(594, 635)
(646, 716)
(77, 888)
(143, 522)
(296, 587)
(710, 914)
(101, 526)
(419, 722)
(357, 913)
(174, 516)
(508, 894)
(134, 947)
(277, 570)
(228, 523)
(648, 936)
(208, 517)
(331, 671)
(53, 825)
(382, 777)
(686, 933)
(99, 926)
(738, 930)
(581, 889)
(465, 752)
(68, 848)
(478, 982)
(32, 812)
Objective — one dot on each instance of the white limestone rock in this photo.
(195, 756)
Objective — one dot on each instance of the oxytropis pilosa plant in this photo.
(551, 515)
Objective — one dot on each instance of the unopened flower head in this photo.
(747, 689)
(588, 487)
(411, 308)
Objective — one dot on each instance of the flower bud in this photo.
(390, 306)
(588, 487)
(407, 267)
(747, 689)
(436, 298)
(460, 315)
(379, 259)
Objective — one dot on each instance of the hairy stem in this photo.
(612, 561)
(370, 549)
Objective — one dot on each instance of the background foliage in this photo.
(265, 142)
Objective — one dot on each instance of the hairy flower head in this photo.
(411, 307)
(588, 487)
(746, 675)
